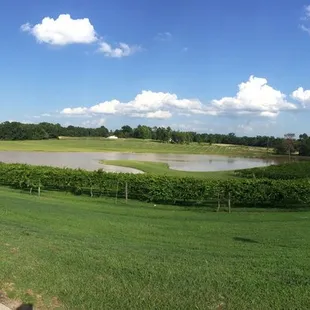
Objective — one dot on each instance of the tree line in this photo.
(288, 144)
(41, 131)
(164, 134)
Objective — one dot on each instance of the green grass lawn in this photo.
(129, 145)
(83, 253)
(163, 169)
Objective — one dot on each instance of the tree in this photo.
(178, 137)
(163, 134)
(142, 132)
(304, 145)
(280, 148)
(127, 131)
(289, 142)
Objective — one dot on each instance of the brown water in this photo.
(90, 161)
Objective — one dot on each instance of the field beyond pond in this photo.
(70, 252)
(130, 146)
(163, 169)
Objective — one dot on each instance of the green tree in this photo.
(304, 145)
(127, 131)
(142, 132)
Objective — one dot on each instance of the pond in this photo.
(90, 160)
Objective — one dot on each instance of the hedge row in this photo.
(288, 171)
(159, 189)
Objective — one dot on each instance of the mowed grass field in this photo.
(73, 252)
(163, 169)
(129, 145)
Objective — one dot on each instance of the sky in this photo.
(207, 66)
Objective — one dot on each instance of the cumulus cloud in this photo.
(254, 98)
(270, 114)
(65, 30)
(146, 104)
(302, 96)
(106, 107)
(159, 114)
(74, 111)
(121, 50)
(62, 31)
(153, 115)
(150, 101)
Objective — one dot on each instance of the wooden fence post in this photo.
(218, 203)
(39, 188)
(116, 192)
(229, 202)
(126, 192)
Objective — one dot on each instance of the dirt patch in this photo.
(14, 250)
(12, 304)
(39, 303)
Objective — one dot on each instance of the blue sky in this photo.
(211, 66)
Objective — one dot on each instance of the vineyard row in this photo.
(157, 189)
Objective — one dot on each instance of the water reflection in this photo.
(90, 161)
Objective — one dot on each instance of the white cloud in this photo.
(65, 30)
(159, 114)
(254, 97)
(151, 101)
(107, 107)
(303, 96)
(62, 31)
(152, 115)
(146, 104)
(122, 50)
(163, 36)
(206, 110)
(74, 111)
(269, 114)
(184, 114)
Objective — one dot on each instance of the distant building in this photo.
(112, 137)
